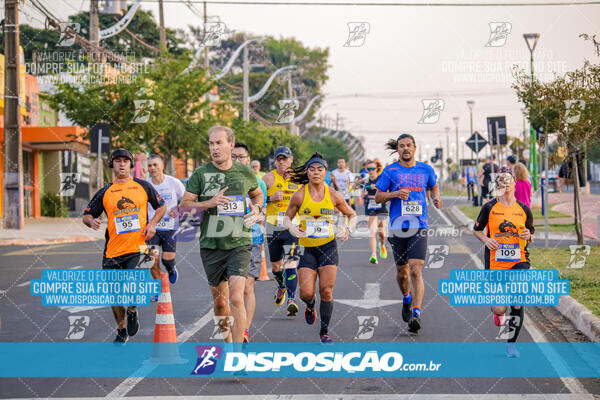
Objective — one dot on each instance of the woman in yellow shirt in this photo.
(315, 204)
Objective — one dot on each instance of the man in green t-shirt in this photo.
(219, 188)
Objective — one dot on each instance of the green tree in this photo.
(567, 106)
(170, 107)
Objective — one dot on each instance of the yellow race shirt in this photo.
(316, 219)
(276, 209)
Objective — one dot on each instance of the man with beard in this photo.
(405, 185)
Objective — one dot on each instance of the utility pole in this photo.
(163, 33)
(534, 37)
(246, 88)
(94, 29)
(447, 129)
(292, 97)
(455, 120)
(206, 60)
(13, 153)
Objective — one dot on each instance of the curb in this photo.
(460, 219)
(36, 242)
(578, 314)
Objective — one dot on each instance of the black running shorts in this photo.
(407, 247)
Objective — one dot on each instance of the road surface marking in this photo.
(128, 384)
(371, 298)
(346, 396)
(572, 384)
(27, 283)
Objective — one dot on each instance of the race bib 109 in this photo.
(508, 252)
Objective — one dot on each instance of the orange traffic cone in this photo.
(264, 276)
(165, 350)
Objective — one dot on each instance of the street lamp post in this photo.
(533, 37)
(447, 129)
(456, 119)
(471, 104)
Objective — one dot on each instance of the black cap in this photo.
(511, 159)
(121, 153)
(283, 151)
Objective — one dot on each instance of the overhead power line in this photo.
(394, 4)
(86, 45)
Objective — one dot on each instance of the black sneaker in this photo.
(133, 325)
(406, 311)
(414, 324)
(122, 336)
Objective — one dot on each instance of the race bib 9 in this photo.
(234, 207)
(508, 252)
(128, 223)
(411, 207)
(317, 229)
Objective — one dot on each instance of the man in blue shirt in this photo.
(405, 185)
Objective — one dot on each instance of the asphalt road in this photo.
(24, 319)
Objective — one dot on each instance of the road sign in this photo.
(104, 131)
(467, 162)
(476, 142)
(497, 130)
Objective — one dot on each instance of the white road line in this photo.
(448, 222)
(128, 384)
(29, 282)
(346, 396)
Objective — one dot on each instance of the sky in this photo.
(411, 54)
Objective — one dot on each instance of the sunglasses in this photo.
(371, 169)
(504, 179)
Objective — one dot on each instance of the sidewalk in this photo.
(47, 230)
(590, 210)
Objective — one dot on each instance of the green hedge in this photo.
(53, 206)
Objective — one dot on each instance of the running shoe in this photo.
(325, 339)
(279, 296)
(246, 336)
(498, 319)
(133, 324)
(292, 308)
(310, 315)
(406, 311)
(122, 336)
(173, 275)
(383, 252)
(511, 350)
(414, 324)
(373, 259)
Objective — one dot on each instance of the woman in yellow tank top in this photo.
(315, 204)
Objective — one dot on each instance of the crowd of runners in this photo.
(303, 210)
